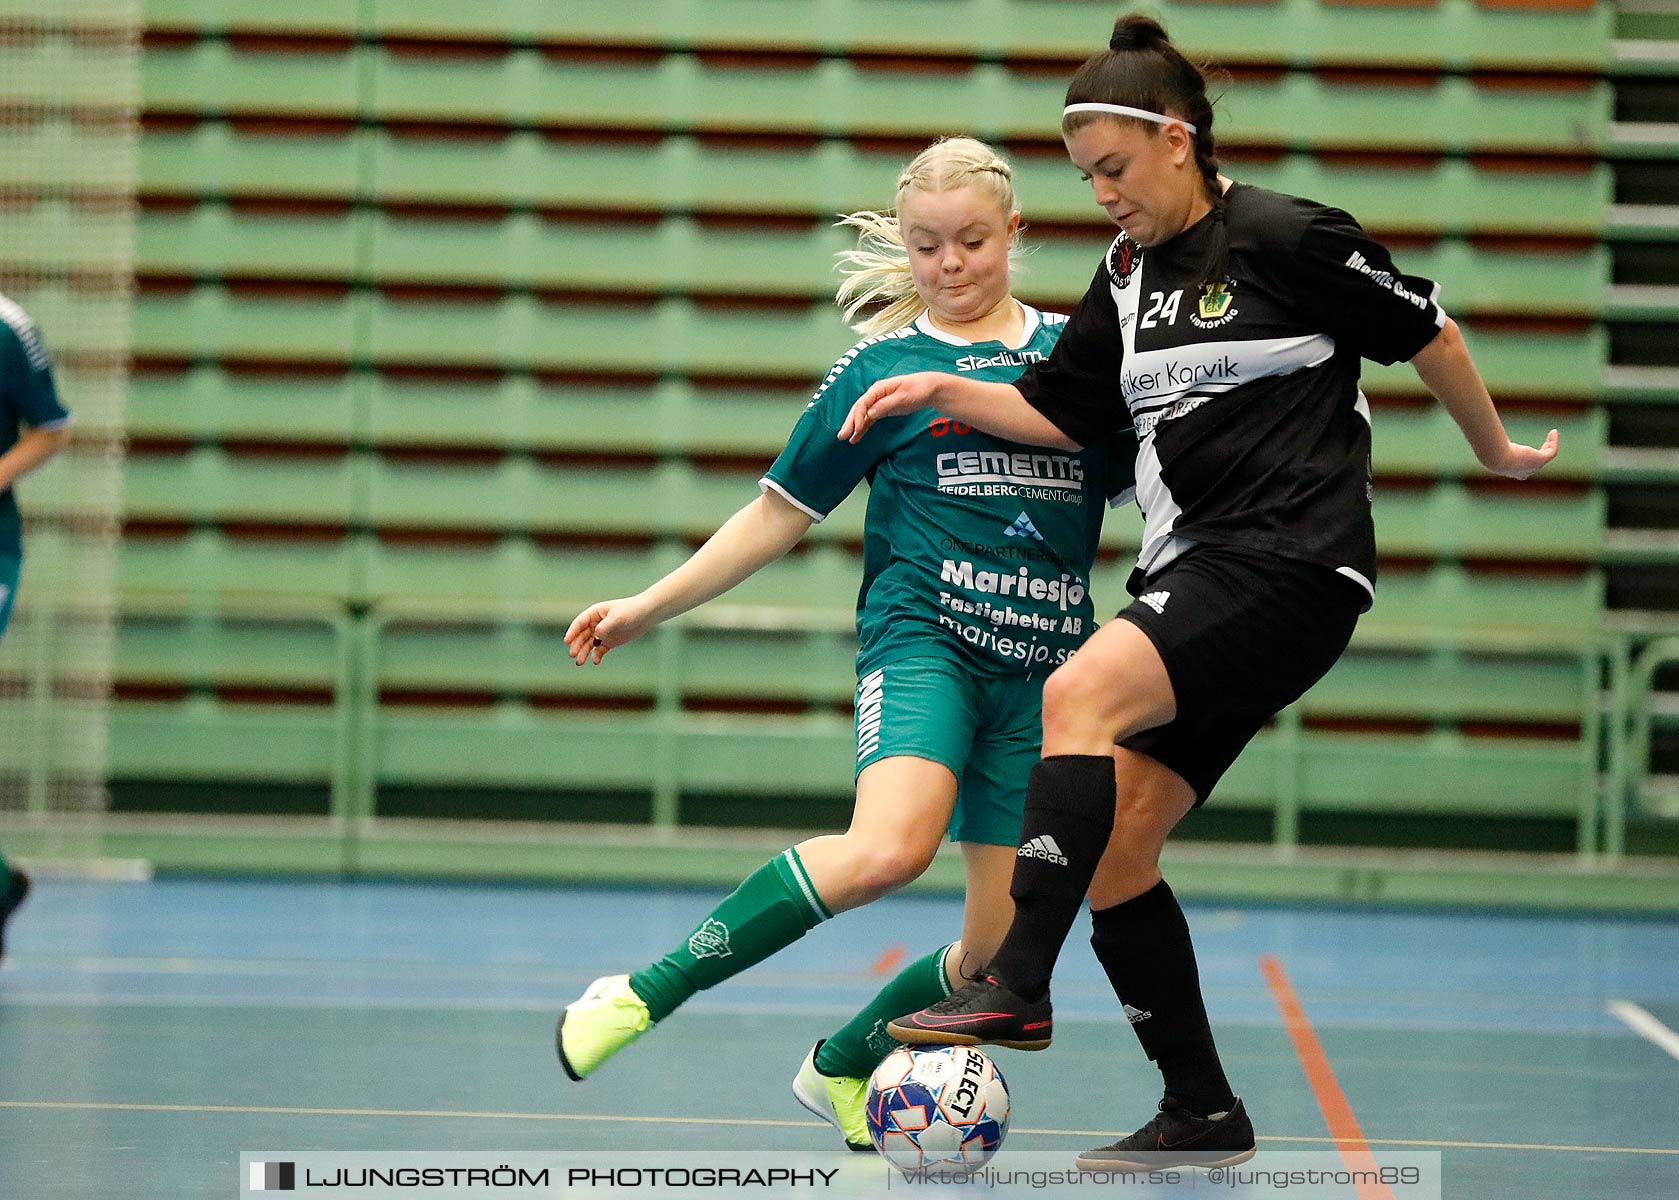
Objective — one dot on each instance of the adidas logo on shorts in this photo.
(1155, 600)
(1043, 847)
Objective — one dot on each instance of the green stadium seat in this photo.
(1453, 34)
(201, 738)
(342, 17)
(44, 67)
(836, 97)
(508, 658)
(517, 412)
(73, 320)
(1450, 114)
(671, 499)
(206, 648)
(209, 403)
(513, 746)
(214, 158)
(1441, 771)
(513, 578)
(1448, 521)
(214, 240)
(1447, 685)
(1449, 606)
(56, 155)
(817, 668)
(214, 76)
(211, 321)
(210, 484)
(667, 337)
(58, 233)
(677, 253)
(796, 665)
(212, 563)
(212, 642)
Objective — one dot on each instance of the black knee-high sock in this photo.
(1143, 944)
(1069, 814)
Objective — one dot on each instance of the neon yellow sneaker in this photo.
(837, 1099)
(607, 1017)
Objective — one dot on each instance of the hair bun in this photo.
(1136, 32)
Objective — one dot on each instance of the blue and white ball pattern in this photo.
(937, 1108)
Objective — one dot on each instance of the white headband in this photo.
(1121, 110)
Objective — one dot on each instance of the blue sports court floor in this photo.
(151, 1031)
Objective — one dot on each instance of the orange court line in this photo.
(1332, 1101)
(889, 960)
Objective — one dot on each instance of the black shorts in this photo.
(1244, 634)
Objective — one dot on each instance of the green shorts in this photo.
(987, 730)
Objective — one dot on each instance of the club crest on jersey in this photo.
(1124, 260)
(1213, 308)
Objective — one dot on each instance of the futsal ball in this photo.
(937, 1108)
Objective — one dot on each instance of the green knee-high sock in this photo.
(862, 1042)
(773, 907)
(5, 872)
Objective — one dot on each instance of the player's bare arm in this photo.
(754, 537)
(995, 408)
(1446, 369)
(33, 448)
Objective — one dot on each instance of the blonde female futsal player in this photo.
(977, 555)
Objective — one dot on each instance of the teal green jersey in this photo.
(975, 548)
(27, 400)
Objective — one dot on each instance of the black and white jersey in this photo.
(1252, 430)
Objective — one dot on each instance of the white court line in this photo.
(1646, 1026)
(619, 1118)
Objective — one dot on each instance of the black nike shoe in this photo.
(1178, 1138)
(982, 1012)
(17, 887)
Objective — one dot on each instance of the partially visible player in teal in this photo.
(976, 566)
(33, 427)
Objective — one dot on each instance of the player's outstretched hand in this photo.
(603, 626)
(890, 398)
(1519, 461)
